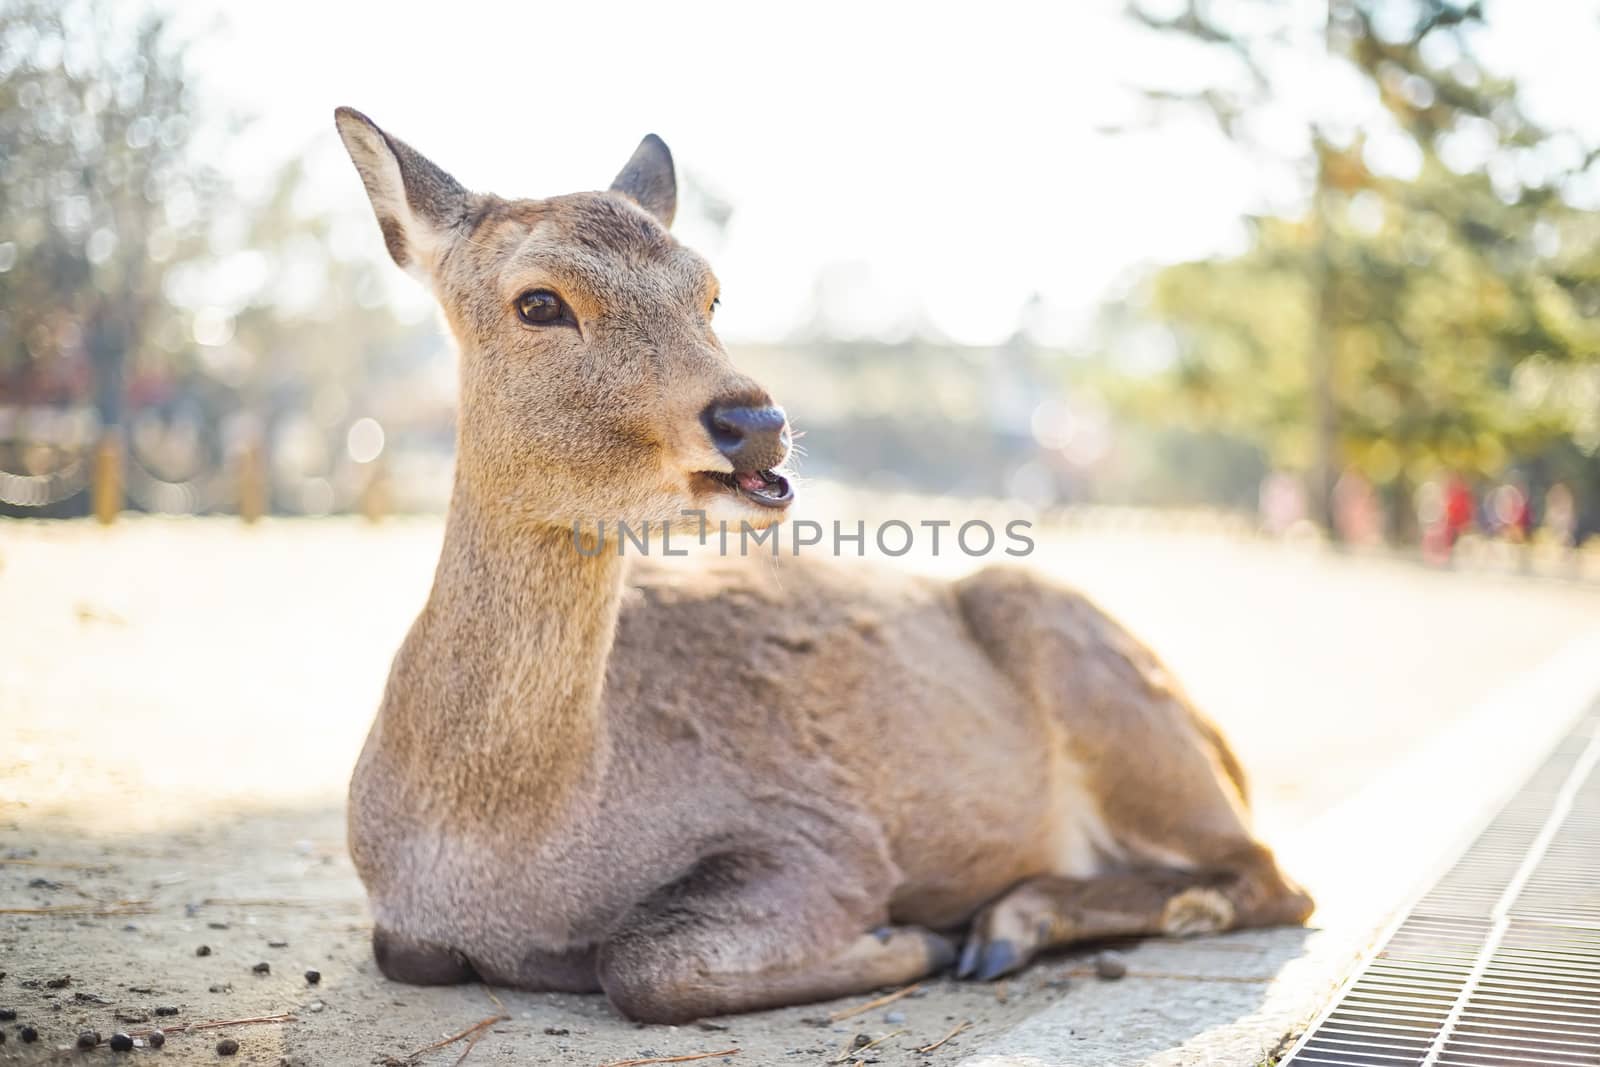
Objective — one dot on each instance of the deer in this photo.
(723, 784)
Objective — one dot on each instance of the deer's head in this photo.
(593, 386)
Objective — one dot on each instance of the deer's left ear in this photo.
(648, 179)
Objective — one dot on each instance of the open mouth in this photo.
(766, 488)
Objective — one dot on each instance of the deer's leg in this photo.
(1156, 773)
(730, 939)
(404, 959)
(1050, 912)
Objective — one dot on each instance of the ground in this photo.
(182, 701)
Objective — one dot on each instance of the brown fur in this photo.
(715, 788)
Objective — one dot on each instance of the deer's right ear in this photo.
(417, 204)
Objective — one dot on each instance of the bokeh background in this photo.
(1280, 320)
(1330, 269)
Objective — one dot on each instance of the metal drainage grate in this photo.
(1500, 962)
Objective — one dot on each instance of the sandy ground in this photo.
(182, 702)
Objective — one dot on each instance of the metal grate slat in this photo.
(1499, 962)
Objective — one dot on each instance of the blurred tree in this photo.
(99, 194)
(209, 324)
(1414, 317)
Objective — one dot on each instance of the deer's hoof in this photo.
(1004, 936)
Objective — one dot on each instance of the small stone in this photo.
(59, 983)
(313, 977)
(155, 1039)
(217, 926)
(227, 988)
(227, 1047)
(203, 950)
(317, 1005)
(262, 968)
(1110, 965)
(166, 1009)
(277, 944)
(557, 1031)
(121, 1042)
(894, 1018)
(860, 1041)
(28, 1034)
(88, 1038)
(8, 1015)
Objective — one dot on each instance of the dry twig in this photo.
(888, 998)
(959, 1028)
(278, 902)
(64, 865)
(86, 911)
(472, 1043)
(180, 1028)
(473, 1032)
(672, 1059)
(852, 1053)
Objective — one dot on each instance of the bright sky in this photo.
(941, 162)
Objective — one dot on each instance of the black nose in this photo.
(753, 438)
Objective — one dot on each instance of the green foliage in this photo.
(1453, 311)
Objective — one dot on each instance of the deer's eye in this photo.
(541, 307)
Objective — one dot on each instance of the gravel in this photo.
(1110, 965)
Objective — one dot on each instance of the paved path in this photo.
(182, 701)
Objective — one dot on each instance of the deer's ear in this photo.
(648, 180)
(417, 204)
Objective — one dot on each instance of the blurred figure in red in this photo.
(1458, 508)
(1444, 513)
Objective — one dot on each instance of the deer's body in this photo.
(714, 787)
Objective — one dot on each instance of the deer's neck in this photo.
(514, 642)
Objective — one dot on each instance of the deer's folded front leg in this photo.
(740, 936)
